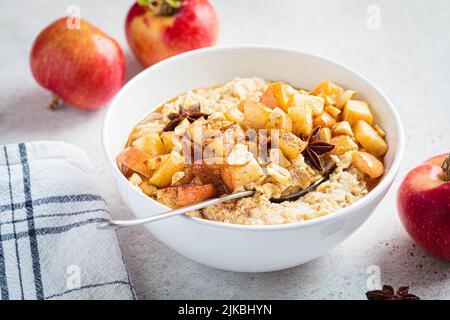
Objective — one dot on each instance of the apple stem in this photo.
(55, 103)
(162, 7)
(446, 168)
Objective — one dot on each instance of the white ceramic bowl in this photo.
(238, 247)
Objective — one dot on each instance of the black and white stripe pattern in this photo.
(48, 210)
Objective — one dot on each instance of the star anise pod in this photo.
(191, 114)
(315, 148)
(388, 293)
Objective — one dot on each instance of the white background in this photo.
(408, 57)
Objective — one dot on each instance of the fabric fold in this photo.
(50, 247)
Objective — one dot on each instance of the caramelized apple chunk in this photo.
(342, 127)
(237, 177)
(325, 120)
(342, 144)
(302, 120)
(333, 111)
(190, 194)
(291, 145)
(235, 115)
(316, 104)
(256, 115)
(276, 95)
(368, 164)
(355, 110)
(325, 134)
(134, 159)
(151, 144)
(344, 97)
(168, 140)
(148, 189)
(370, 139)
(329, 91)
(167, 166)
(280, 120)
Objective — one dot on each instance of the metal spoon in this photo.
(312, 187)
(116, 224)
(200, 205)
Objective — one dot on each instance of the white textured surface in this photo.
(407, 57)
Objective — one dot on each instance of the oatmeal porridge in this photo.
(254, 134)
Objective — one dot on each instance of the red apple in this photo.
(82, 66)
(423, 202)
(159, 29)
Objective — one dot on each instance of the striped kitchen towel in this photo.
(50, 247)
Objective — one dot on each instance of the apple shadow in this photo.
(26, 116)
(132, 67)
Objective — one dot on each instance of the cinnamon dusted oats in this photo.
(253, 134)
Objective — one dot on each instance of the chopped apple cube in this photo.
(135, 160)
(325, 135)
(325, 120)
(302, 120)
(290, 90)
(370, 139)
(235, 115)
(342, 144)
(302, 100)
(291, 145)
(276, 95)
(329, 91)
(181, 196)
(316, 103)
(178, 178)
(151, 144)
(280, 120)
(168, 140)
(332, 93)
(342, 127)
(368, 164)
(237, 177)
(162, 177)
(256, 115)
(355, 110)
(148, 189)
(321, 87)
(335, 112)
(154, 163)
(190, 194)
(344, 97)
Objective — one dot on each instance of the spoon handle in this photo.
(116, 224)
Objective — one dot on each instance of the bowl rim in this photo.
(384, 184)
